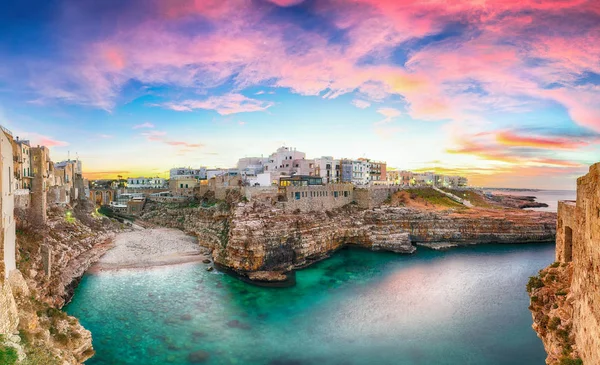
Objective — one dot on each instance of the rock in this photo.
(237, 324)
(198, 357)
(270, 276)
(210, 268)
(186, 317)
(206, 261)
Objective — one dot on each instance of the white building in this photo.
(210, 173)
(146, 183)
(282, 161)
(7, 201)
(186, 173)
(329, 169)
(360, 172)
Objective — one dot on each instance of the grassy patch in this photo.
(433, 197)
(472, 196)
(534, 283)
(8, 355)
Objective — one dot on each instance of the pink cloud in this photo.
(488, 68)
(286, 3)
(43, 140)
(161, 136)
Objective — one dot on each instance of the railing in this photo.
(6, 130)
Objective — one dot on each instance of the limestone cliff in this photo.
(576, 274)
(50, 260)
(259, 237)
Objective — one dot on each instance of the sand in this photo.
(143, 248)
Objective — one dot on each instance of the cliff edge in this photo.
(565, 297)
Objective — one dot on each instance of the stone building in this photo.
(7, 190)
(578, 241)
(23, 171)
(43, 172)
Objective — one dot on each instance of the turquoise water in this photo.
(463, 306)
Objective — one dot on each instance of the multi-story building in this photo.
(23, 172)
(282, 161)
(186, 173)
(329, 169)
(146, 183)
(43, 173)
(346, 168)
(7, 201)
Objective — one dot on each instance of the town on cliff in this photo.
(265, 219)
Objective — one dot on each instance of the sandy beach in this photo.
(145, 248)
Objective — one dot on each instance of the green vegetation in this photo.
(569, 361)
(433, 197)
(534, 283)
(555, 264)
(472, 196)
(561, 292)
(554, 323)
(8, 355)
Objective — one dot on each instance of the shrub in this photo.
(569, 361)
(555, 264)
(534, 283)
(8, 355)
(554, 323)
(561, 292)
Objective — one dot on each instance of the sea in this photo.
(465, 305)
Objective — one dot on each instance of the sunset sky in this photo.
(506, 92)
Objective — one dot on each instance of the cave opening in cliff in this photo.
(568, 244)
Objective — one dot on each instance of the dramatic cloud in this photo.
(224, 105)
(509, 138)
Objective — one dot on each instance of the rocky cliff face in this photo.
(578, 304)
(552, 311)
(257, 237)
(50, 261)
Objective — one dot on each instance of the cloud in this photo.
(509, 138)
(389, 114)
(225, 104)
(445, 61)
(362, 104)
(286, 3)
(105, 136)
(161, 136)
(43, 140)
(143, 125)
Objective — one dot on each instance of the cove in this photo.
(467, 305)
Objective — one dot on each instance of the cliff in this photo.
(50, 260)
(258, 237)
(570, 288)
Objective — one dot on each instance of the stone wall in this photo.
(22, 200)
(578, 249)
(585, 285)
(318, 197)
(9, 318)
(374, 196)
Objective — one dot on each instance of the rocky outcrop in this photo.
(50, 260)
(577, 253)
(258, 237)
(552, 310)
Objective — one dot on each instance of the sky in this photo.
(505, 92)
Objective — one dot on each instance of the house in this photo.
(7, 201)
(146, 183)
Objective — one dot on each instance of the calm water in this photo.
(463, 306)
(550, 197)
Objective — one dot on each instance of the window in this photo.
(298, 196)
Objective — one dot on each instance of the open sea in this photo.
(467, 305)
(550, 197)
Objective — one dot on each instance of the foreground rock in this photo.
(565, 297)
(257, 240)
(50, 261)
